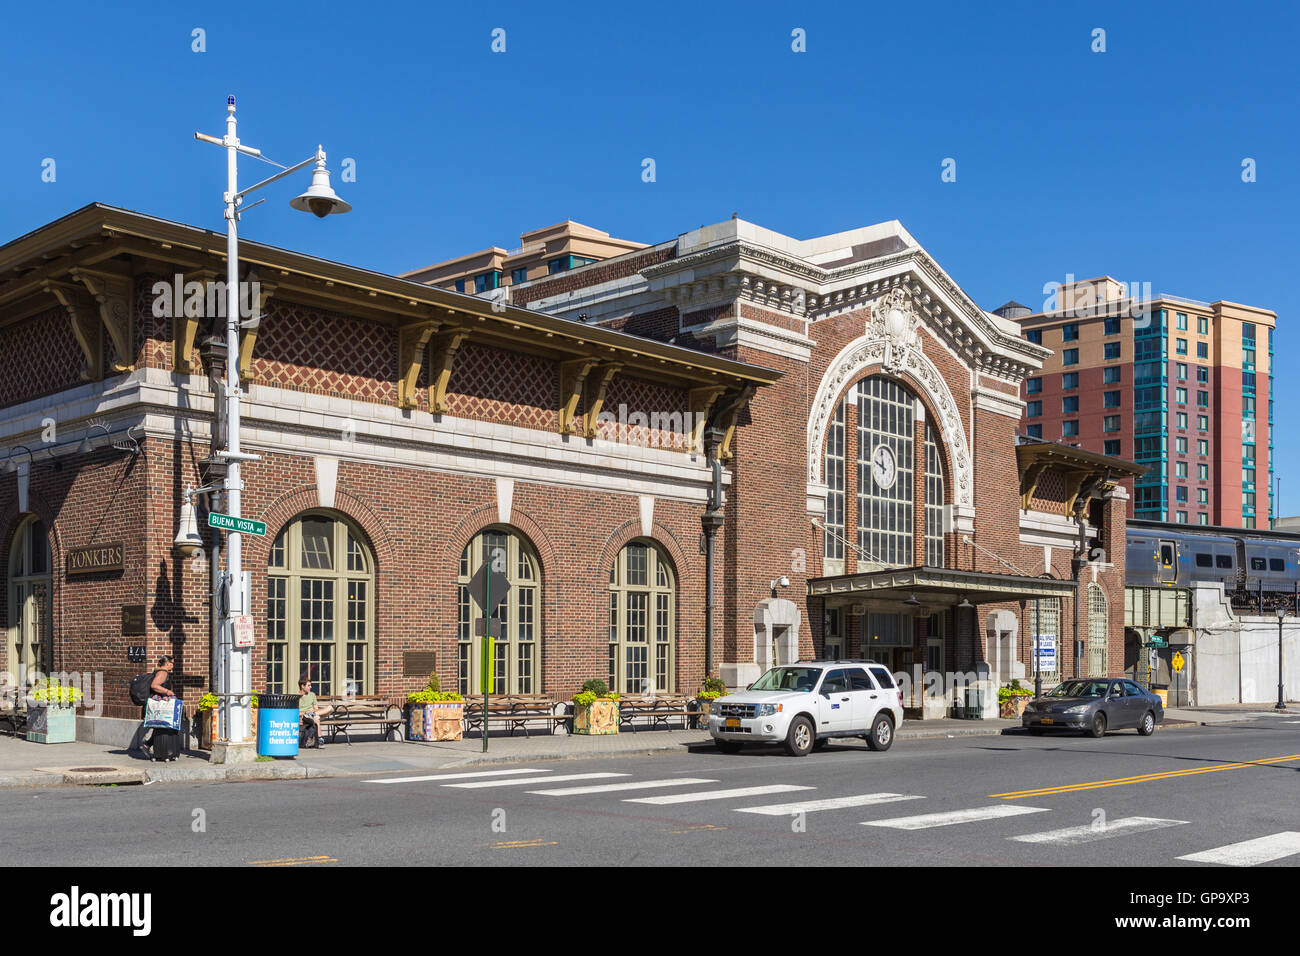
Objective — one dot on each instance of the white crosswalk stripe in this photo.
(612, 787)
(455, 776)
(1250, 852)
(975, 814)
(535, 780)
(718, 794)
(832, 803)
(1070, 836)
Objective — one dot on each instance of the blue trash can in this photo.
(277, 725)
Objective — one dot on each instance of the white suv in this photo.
(803, 705)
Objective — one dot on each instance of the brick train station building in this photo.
(862, 408)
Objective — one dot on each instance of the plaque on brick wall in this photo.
(419, 663)
(133, 620)
(96, 558)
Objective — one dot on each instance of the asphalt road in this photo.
(1016, 800)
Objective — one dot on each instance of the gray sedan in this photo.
(1095, 705)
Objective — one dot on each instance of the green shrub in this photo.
(708, 695)
(433, 697)
(595, 686)
(51, 691)
(1010, 693)
(715, 686)
(208, 702)
(434, 684)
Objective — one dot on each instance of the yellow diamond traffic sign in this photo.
(1177, 662)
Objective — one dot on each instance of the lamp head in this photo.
(320, 199)
(188, 541)
(1281, 612)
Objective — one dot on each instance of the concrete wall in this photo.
(1235, 657)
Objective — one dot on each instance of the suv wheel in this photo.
(727, 746)
(1148, 725)
(800, 737)
(1098, 728)
(882, 733)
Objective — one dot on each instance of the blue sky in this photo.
(1126, 162)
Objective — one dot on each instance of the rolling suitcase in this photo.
(165, 745)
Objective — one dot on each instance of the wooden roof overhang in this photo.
(1087, 473)
(85, 262)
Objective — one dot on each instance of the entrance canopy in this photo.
(937, 587)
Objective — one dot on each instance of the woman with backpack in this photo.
(162, 744)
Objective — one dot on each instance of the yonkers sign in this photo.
(97, 558)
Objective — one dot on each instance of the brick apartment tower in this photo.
(1182, 387)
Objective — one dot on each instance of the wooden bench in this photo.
(659, 710)
(353, 712)
(12, 713)
(515, 710)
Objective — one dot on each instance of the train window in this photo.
(1223, 561)
(1204, 560)
(1167, 555)
(1257, 564)
(1276, 564)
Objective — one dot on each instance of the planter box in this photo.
(1014, 708)
(436, 721)
(52, 725)
(704, 708)
(205, 726)
(599, 718)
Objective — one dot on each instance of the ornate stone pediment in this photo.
(895, 320)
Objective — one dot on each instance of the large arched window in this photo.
(30, 632)
(320, 608)
(933, 500)
(886, 437)
(516, 623)
(642, 611)
(1098, 632)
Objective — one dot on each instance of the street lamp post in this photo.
(320, 201)
(1281, 700)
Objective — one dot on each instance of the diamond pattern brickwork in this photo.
(490, 384)
(326, 353)
(646, 414)
(39, 356)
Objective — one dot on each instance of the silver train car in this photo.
(1253, 562)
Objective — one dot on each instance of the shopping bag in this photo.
(162, 713)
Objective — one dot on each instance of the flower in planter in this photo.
(50, 693)
(433, 697)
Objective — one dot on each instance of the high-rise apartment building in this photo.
(1180, 386)
(541, 252)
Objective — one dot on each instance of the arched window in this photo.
(642, 611)
(1098, 631)
(30, 631)
(320, 608)
(516, 623)
(933, 500)
(885, 467)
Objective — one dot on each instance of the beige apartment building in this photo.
(542, 252)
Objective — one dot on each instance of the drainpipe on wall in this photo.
(710, 521)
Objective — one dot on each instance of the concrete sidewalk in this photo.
(24, 764)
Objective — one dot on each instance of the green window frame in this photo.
(642, 631)
(516, 653)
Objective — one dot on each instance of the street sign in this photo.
(242, 525)
(1046, 652)
(242, 628)
(489, 584)
(1177, 662)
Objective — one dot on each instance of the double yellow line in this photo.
(1141, 778)
(293, 861)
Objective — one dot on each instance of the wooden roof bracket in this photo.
(573, 376)
(84, 318)
(112, 293)
(596, 389)
(701, 402)
(412, 344)
(444, 349)
(725, 413)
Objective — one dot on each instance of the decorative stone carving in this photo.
(892, 343)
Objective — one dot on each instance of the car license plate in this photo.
(1048, 720)
(733, 722)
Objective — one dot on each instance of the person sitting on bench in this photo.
(310, 711)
